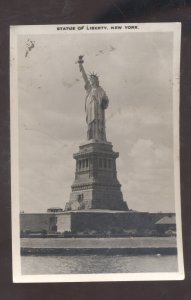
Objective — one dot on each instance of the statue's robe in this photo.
(95, 105)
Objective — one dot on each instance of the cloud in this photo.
(45, 174)
(149, 176)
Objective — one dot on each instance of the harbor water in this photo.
(86, 264)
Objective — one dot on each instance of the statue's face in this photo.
(94, 80)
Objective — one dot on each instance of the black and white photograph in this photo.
(95, 165)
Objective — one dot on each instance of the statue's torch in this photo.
(80, 59)
(80, 62)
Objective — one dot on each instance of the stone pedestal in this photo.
(96, 185)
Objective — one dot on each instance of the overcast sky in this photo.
(136, 72)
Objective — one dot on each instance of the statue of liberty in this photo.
(95, 104)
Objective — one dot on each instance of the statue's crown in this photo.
(93, 75)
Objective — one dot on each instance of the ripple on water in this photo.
(85, 264)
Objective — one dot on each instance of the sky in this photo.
(135, 70)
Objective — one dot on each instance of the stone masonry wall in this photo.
(35, 222)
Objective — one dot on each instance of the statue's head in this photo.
(94, 79)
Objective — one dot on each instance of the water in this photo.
(97, 264)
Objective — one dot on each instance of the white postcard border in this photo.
(15, 31)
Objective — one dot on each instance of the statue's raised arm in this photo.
(84, 75)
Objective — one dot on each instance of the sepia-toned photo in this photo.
(95, 152)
